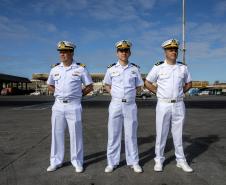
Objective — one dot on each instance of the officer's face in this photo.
(66, 55)
(123, 54)
(171, 53)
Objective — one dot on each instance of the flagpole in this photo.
(183, 31)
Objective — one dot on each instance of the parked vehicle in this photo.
(4, 92)
(36, 93)
(14, 91)
(95, 93)
(144, 94)
(193, 92)
(202, 93)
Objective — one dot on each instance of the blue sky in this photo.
(29, 31)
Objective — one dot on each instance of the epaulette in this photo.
(54, 65)
(80, 64)
(181, 63)
(111, 65)
(159, 63)
(135, 65)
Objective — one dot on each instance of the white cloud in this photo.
(208, 31)
(16, 29)
(220, 8)
(59, 7)
(11, 29)
(206, 41)
(110, 11)
(146, 4)
(92, 35)
(203, 51)
(101, 10)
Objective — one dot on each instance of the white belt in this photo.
(69, 101)
(124, 100)
(170, 100)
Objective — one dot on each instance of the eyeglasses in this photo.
(124, 50)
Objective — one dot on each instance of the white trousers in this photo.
(122, 114)
(169, 114)
(67, 115)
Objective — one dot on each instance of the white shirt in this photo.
(68, 81)
(123, 80)
(170, 79)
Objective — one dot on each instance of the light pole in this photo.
(183, 31)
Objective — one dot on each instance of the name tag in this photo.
(56, 76)
(76, 74)
(115, 73)
(164, 75)
(133, 72)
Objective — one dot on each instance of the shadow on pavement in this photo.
(94, 158)
(197, 146)
(100, 156)
(143, 156)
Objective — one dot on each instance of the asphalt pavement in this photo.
(25, 136)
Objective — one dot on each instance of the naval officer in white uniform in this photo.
(66, 80)
(122, 80)
(173, 80)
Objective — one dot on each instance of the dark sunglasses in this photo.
(124, 50)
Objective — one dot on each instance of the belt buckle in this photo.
(123, 100)
(65, 101)
(173, 101)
